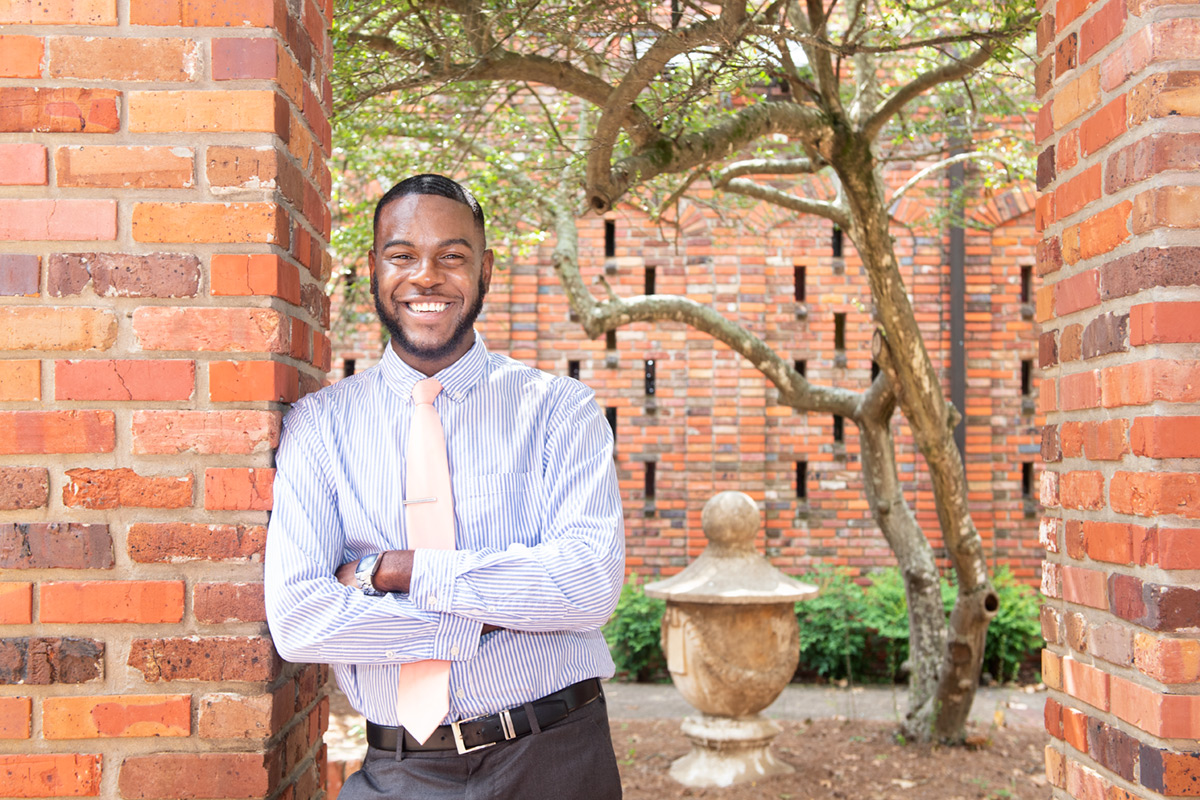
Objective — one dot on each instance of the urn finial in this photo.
(730, 521)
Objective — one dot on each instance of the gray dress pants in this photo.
(570, 760)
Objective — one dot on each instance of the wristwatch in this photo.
(364, 574)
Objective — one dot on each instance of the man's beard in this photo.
(464, 328)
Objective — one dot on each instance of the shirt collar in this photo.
(457, 379)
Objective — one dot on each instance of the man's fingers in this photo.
(345, 573)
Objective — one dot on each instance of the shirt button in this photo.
(460, 694)
(390, 654)
(432, 601)
(454, 650)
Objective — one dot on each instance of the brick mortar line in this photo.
(1099, 57)
(233, 138)
(128, 87)
(1149, 126)
(192, 573)
(1095, 7)
(1127, 193)
(50, 403)
(1159, 521)
(1109, 201)
(123, 135)
(1147, 573)
(1110, 361)
(1153, 239)
(1182, 746)
(1054, 416)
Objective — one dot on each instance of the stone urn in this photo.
(732, 643)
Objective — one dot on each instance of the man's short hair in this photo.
(430, 183)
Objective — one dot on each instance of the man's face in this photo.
(429, 273)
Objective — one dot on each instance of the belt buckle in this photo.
(458, 740)
(506, 725)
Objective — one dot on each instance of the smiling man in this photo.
(447, 533)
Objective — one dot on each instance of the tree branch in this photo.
(718, 142)
(513, 67)
(644, 70)
(937, 76)
(853, 48)
(678, 193)
(598, 317)
(834, 211)
(927, 171)
(827, 80)
(764, 166)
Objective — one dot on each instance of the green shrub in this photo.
(634, 635)
(833, 637)
(887, 615)
(851, 632)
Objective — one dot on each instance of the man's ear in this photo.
(485, 274)
(371, 261)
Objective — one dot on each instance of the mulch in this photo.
(833, 759)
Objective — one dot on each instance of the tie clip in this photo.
(421, 500)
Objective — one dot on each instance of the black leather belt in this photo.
(472, 734)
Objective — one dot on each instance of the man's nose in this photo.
(428, 272)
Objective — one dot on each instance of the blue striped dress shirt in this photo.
(538, 527)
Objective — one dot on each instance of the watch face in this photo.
(365, 572)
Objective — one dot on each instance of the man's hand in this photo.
(345, 574)
(393, 575)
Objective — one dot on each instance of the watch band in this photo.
(364, 574)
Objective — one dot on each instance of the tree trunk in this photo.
(922, 589)
(932, 420)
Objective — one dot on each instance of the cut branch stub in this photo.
(878, 343)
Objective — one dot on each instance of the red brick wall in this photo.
(714, 423)
(163, 224)
(1119, 310)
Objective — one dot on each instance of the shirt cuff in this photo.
(431, 589)
(431, 586)
(457, 638)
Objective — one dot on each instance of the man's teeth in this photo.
(428, 306)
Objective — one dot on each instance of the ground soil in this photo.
(835, 759)
(842, 760)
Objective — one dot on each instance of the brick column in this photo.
(1120, 309)
(163, 219)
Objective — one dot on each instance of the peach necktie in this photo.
(424, 689)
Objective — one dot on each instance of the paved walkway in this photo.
(1019, 706)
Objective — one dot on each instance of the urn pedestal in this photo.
(732, 644)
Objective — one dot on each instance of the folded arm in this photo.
(313, 616)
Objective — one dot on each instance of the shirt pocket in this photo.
(495, 511)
